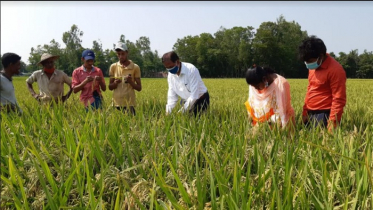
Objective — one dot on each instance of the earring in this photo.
(266, 84)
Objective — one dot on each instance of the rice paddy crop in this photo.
(62, 157)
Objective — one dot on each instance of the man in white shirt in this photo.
(184, 81)
(12, 64)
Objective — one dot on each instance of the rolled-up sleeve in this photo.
(31, 78)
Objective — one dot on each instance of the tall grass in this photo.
(61, 157)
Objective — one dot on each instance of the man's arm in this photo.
(193, 86)
(171, 98)
(77, 85)
(304, 113)
(338, 89)
(135, 84)
(68, 81)
(137, 75)
(29, 82)
(80, 87)
(31, 89)
(65, 97)
(102, 82)
(113, 83)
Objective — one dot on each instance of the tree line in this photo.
(226, 53)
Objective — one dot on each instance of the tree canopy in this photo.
(226, 53)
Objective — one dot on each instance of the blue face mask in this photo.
(174, 69)
(313, 65)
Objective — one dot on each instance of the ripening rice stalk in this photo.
(62, 157)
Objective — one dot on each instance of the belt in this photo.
(204, 95)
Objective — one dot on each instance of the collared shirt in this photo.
(7, 94)
(79, 75)
(50, 88)
(326, 89)
(188, 86)
(124, 94)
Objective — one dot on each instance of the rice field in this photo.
(62, 157)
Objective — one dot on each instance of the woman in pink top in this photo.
(269, 98)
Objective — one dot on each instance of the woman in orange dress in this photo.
(269, 98)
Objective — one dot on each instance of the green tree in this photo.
(205, 60)
(185, 48)
(134, 54)
(74, 49)
(236, 46)
(365, 65)
(276, 45)
(100, 60)
(53, 48)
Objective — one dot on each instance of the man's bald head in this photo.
(170, 56)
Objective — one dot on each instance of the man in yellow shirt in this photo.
(124, 80)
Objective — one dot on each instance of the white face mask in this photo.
(313, 65)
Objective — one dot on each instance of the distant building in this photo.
(158, 74)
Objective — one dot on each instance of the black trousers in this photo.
(318, 117)
(201, 104)
(125, 110)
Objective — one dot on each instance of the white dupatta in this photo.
(273, 97)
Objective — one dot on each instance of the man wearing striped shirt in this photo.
(184, 81)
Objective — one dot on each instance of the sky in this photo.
(343, 26)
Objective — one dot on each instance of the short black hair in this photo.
(172, 55)
(9, 58)
(311, 47)
(255, 75)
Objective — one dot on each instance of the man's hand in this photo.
(64, 98)
(98, 78)
(332, 125)
(88, 79)
(116, 82)
(129, 80)
(36, 96)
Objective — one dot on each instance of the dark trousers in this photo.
(97, 104)
(318, 117)
(125, 110)
(201, 104)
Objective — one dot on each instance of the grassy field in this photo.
(65, 158)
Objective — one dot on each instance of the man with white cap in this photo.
(124, 80)
(90, 80)
(50, 81)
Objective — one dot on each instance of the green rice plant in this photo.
(62, 157)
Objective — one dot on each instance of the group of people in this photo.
(269, 93)
(125, 77)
